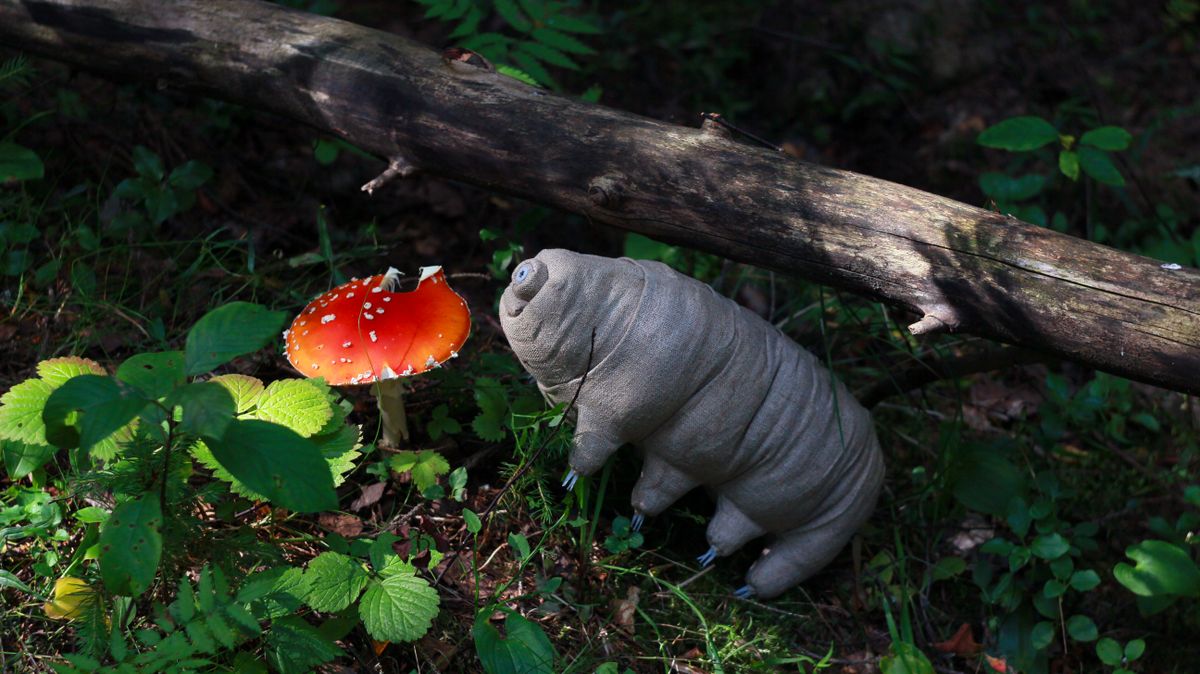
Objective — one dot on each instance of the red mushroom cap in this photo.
(361, 331)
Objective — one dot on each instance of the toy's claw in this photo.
(744, 592)
(707, 558)
(570, 480)
(636, 523)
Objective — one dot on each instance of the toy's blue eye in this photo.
(522, 274)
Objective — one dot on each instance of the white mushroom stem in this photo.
(390, 394)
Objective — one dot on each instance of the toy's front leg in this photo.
(594, 443)
(660, 485)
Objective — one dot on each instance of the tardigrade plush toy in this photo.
(712, 394)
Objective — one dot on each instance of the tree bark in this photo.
(961, 268)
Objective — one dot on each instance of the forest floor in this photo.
(984, 472)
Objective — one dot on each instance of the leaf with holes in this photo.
(131, 545)
(154, 374)
(88, 409)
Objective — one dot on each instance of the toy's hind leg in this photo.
(660, 485)
(792, 558)
(728, 530)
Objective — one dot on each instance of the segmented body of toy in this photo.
(712, 394)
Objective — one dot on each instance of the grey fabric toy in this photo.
(712, 394)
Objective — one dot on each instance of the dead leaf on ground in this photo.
(369, 497)
(997, 664)
(962, 643)
(346, 525)
(678, 667)
(625, 609)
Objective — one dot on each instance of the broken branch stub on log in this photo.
(959, 267)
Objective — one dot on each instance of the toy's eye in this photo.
(522, 273)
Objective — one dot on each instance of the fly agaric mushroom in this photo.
(363, 332)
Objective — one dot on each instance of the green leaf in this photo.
(561, 41)
(1109, 651)
(334, 581)
(1085, 580)
(21, 412)
(105, 405)
(1019, 134)
(278, 463)
(208, 408)
(1134, 649)
(154, 374)
(425, 466)
(274, 592)
(985, 480)
(1098, 165)
(535, 69)
(1162, 569)
(229, 331)
(1068, 163)
(948, 567)
(296, 403)
(1002, 187)
(19, 163)
(244, 389)
(524, 650)
(474, 525)
(519, 545)
(147, 164)
(398, 608)
(9, 580)
(1110, 138)
(1081, 628)
(571, 24)
(1050, 546)
(1042, 635)
(190, 175)
(548, 54)
(295, 647)
(508, 9)
(22, 458)
(131, 545)
(905, 658)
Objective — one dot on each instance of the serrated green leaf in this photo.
(277, 462)
(398, 608)
(383, 556)
(488, 428)
(272, 593)
(131, 545)
(19, 163)
(296, 403)
(220, 630)
(21, 412)
(524, 650)
(229, 331)
(294, 646)
(425, 466)
(340, 451)
(1098, 165)
(22, 458)
(561, 41)
(104, 406)
(1019, 134)
(57, 371)
(469, 25)
(1110, 138)
(154, 374)
(512, 15)
(517, 74)
(548, 54)
(244, 389)
(1162, 568)
(335, 581)
(207, 408)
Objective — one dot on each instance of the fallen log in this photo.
(959, 267)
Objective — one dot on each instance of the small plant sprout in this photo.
(363, 332)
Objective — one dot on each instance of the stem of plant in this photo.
(390, 395)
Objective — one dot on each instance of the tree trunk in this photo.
(961, 268)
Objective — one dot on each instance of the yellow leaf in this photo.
(72, 596)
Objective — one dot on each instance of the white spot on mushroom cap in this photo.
(387, 373)
(349, 295)
(387, 299)
(426, 272)
(328, 318)
(379, 310)
(347, 344)
(366, 305)
(371, 334)
(369, 317)
(377, 289)
(1171, 266)
(316, 367)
